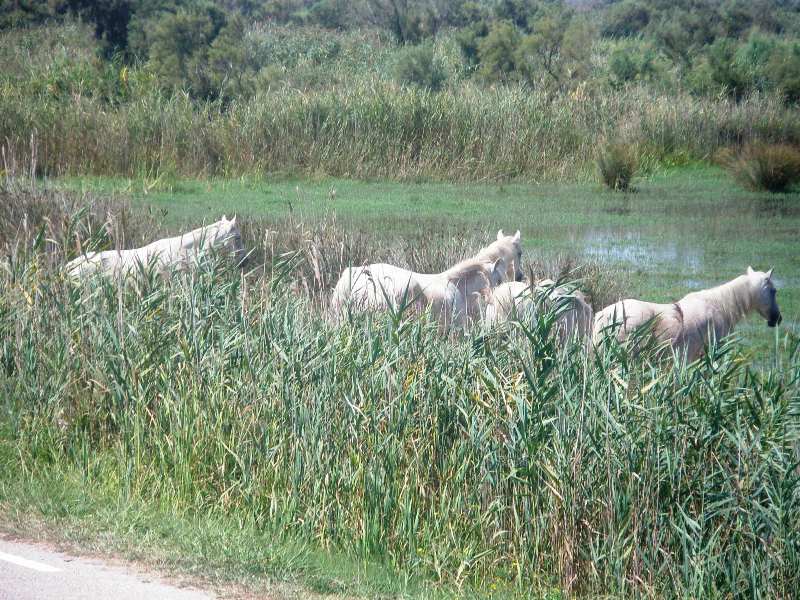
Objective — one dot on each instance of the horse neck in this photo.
(204, 237)
(733, 299)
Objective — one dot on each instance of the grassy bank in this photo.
(215, 550)
(490, 461)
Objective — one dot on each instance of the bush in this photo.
(626, 19)
(617, 165)
(498, 52)
(469, 39)
(765, 167)
(783, 71)
(519, 12)
(419, 66)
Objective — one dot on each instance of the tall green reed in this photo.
(493, 457)
(372, 128)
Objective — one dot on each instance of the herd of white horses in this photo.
(485, 289)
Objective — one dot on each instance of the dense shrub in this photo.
(332, 14)
(630, 63)
(617, 165)
(498, 52)
(783, 71)
(765, 167)
(469, 40)
(419, 66)
(764, 64)
(723, 68)
(625, 19)
(520, 13)
(558, 51)
(179, 48)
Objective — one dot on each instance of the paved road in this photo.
(32, 572)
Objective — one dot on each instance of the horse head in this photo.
(764, 296)
(511, 247)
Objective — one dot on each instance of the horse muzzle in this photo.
(775, 320)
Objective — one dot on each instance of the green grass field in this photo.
(682, 230)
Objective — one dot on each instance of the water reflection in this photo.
(631, 247)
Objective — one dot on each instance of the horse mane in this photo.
(732, 298)
(679, 312)
(467, 268)
(502, 248)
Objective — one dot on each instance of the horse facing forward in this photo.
(453, 294)
(696, 319)
(180, 251)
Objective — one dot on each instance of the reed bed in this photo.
(478, 460)
(372, 128)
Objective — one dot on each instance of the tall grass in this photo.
(326, 104)
(473, 461)
(768, 167)
(372, 128)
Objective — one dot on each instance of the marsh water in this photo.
(679, 231)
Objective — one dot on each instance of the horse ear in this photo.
(500, 235)
(224, 218)
(750, 270)
(516, 236)
(233, 220)
(769, 273)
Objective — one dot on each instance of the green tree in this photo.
(558, 47)
(498, 52)
(179, 47)
(724, 69)
(22, 13)
(783, 71)
(519, 12)
(625, 19)
(627, 64)
(231, 69)
(469, 39)
(409, 21)
(333, 14)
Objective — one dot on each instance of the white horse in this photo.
(379, 285)
(181, 251)
(509, 248)
(453, 295)
(516, 299)
(698, 318)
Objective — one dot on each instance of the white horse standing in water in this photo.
(516, 299)
(696, 319)
(379, 286)
(180, 251)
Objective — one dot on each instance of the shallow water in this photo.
(632, 247)
(681, 231)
